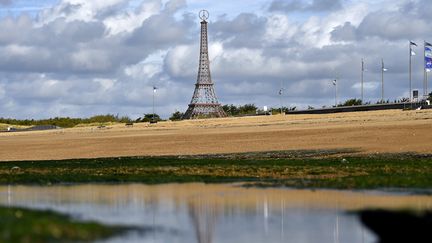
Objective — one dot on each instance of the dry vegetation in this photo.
(391, 131)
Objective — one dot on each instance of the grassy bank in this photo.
(24, 225)
(312, 169)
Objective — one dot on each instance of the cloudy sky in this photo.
(80, 58)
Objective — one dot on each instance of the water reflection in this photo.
(216, 213)
(203, 216)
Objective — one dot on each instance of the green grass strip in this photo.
(343, 172)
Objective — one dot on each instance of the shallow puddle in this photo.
(206, 213)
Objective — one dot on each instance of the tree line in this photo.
(355, 102)
(240, 110)
(66, 122)
(230, 110)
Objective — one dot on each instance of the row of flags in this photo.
(427, 54)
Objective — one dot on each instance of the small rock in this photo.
(344, 161)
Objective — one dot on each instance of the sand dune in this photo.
(390, 131)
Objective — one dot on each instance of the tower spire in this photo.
(204, 102)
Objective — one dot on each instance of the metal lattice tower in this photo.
(204, 102)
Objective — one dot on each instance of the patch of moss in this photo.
(25, 225)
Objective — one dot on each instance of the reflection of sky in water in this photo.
(215, 213)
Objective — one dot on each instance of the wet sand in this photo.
(391, 131)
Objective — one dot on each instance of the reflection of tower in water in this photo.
(203, 215)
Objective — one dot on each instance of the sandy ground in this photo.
(390, 131)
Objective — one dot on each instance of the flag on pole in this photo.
(413, 53)
(412, 43)
(385, 69)
(154, 89)
(428, 57)
(334, 82)
(428, 51)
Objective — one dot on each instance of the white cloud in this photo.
(141, 70)
(181, 59)
(94, 60)
(131, 19)
(18, 50)
(280, 28)
(81, 58)
(367, 86)
(82, 10)
(106, 84)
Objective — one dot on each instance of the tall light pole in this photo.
(383, 69)
(335, 85)
(280, 96)
(154, 92)
(362, 71)
(411, 53)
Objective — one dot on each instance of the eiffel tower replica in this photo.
(204, 102)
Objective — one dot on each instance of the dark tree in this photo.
(352, 102)
(176, 116)
(151, 117)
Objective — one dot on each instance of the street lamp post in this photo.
(335, 85)
(154, 114)
(280, 97)
(382, 81)
(383, 69)
(362, 81)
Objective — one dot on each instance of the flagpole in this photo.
(424, 69)
(427, 66)
(382, 80)
(153, 103)
(410, 55)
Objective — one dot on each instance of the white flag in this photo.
(334, 82)
(385, 69)
(413, 53)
